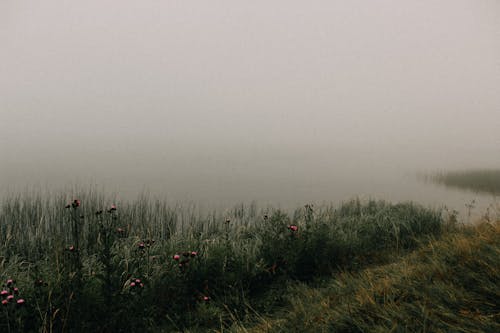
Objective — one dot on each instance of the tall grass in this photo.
(451, 284)
(147, 265)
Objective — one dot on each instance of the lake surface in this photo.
(220, 181)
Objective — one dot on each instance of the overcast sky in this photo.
(142, 88)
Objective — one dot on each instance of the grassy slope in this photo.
(449, 285)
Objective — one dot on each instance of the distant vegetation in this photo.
(486, 181)
(88, 265)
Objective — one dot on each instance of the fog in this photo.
(219, 102)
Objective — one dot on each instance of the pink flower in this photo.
(176, 257)
(10, 297)
(20, 301)
(206, 298)
(137, 280)
(71, 248)
(194, 254)
(113, 207)
(9, 282)
(4, 293)
(141, 245)
(142, 285)
(132, 284)
(293, 227)
(16, 290)
(5, 302)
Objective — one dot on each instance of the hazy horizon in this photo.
(278, 101)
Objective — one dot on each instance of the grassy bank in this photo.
(87, 264)
(485, 181)
(451, 284)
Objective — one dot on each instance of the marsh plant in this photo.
(143, 265)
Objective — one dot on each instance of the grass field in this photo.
(86, 264)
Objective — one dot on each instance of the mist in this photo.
(219, 102)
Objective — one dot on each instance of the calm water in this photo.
(221, 182)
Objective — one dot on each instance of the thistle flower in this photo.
(176, 257)
(4, 293)
(10, 297)
(194, 254)
(5, 302)
(293, 228)
(20, 301)
(141, 245)
(10, 282)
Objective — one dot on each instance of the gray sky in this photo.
(216, 90)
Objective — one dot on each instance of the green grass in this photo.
(450, 284)
(245, 258)
(249, 265)
(485, 181)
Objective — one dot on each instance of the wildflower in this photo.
(71, 248)
(76, 203)
(137, 280)
(132, 284)
(194, 254)
(5, 302)
(4, 293)
(16, 290)
(113, 207)
(20, 301)
(141, 246)
(10, 282)
(141, 285)
(293, 228)
(10, 297)
(176, 257)
(206, 298)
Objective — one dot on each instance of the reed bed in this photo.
(484, 181)
(85, 263)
